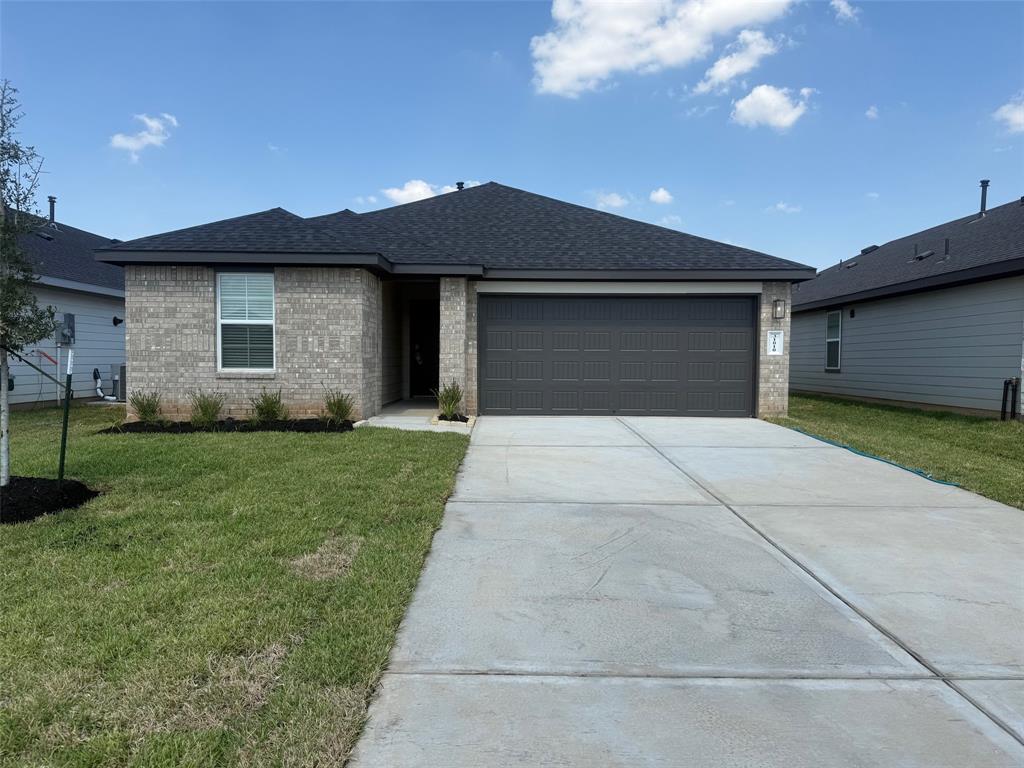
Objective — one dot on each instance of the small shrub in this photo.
(147, 406)
(339, 405)
(268, 406)
(449, 399)
(206, 408)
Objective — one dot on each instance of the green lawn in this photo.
(983, 455)
(230, 600)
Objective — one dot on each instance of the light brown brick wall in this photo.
(327, 333)
(773, 379)
(453, 299)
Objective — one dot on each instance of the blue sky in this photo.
(806, 130)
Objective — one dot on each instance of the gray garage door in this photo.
(629, 355)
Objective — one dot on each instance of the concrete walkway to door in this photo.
(704, 592)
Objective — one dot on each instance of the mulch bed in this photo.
(457, 417)
(26, 498)
(230, 425)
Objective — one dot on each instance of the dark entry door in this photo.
(424, 347)
(629, 355)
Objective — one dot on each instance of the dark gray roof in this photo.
(489, 227)
(67, 253)
(980, 247)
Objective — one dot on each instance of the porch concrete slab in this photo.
(545, 473)
(626, 590)
(505, 722)
(1002, 698)
(553, 430)
(810, 477)
(949, 582)
(665, 431)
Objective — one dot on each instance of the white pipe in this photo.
(99, 387)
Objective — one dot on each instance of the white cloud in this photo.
(155, 132)
(781, 207)
(417, 189)
(872, 195)
(771, 106)
(728, 203)
(742, 56)
(593, 40)
(366, 199)
(844, 11)
(611, 200)
(1011, 114)
(661, 196)
(672, 221)
(871, 113)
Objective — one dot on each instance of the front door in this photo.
(424, 347)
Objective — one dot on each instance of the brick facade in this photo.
(773, 379)
(458, 338)
(327, 333)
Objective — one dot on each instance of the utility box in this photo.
(65, 331)
(118, 373)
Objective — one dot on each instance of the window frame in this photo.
(272, 322)
(838, 339)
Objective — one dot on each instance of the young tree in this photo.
(22, 320)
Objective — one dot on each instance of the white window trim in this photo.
(838, 339)
(272, 323)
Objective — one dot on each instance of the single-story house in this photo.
(88, 298)
(935, 318)
(532, 305)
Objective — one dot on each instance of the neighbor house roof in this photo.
(488, 229)
(979, 248)
(63, 256)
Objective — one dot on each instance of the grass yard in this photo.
(230, 600)
(983, 455)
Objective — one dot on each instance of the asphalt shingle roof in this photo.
(67, 253)
(974, 241)
(490, 226)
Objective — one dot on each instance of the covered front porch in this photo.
(428, 338)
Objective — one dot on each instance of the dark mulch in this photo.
(457, 417)
(26, 498)
(231, 425)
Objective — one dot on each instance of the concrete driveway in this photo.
(705, 592)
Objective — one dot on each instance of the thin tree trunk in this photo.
(5, 422)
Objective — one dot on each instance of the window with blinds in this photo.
(833, 340)
(245, 320)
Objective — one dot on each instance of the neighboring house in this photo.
(935, 318)
(534, 306)
(91, 294)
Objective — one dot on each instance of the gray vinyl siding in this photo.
(391, 346)
(949, 347)
(98, 344)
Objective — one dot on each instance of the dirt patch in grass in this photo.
(331, 559)
(26, 498)
(228, 425)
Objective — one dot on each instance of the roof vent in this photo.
(850, 264)
(921, 256)
(45, 235)
(984, 196)
(869, 249)
(459, 185)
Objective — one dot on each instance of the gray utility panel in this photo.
(635, 355)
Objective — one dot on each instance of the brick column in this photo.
(453, 304)
(773, 378)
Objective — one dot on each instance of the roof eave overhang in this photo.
(372, 261)
(785, 275)
(948, 280)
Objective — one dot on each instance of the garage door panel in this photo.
(609, 354)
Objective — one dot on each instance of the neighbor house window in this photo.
(833, 340)
(245, 320)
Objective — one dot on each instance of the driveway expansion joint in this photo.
(936, 673)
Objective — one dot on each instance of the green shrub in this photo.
(206, 408)
(449, 399)
(339, 405)
(268, 406)
(147, 406)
